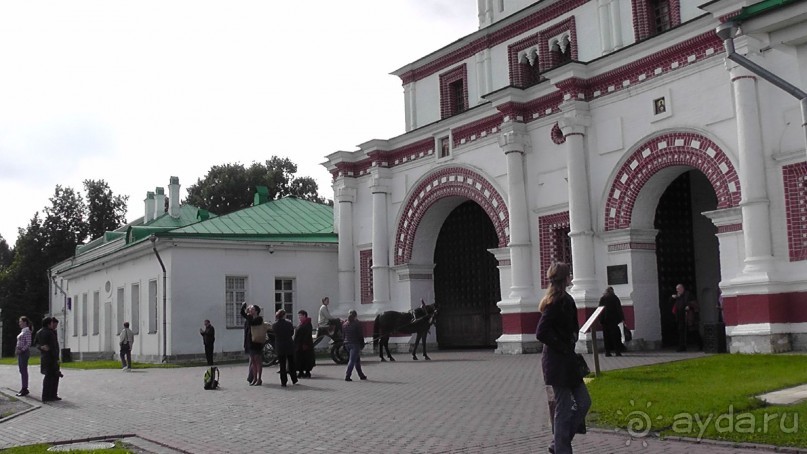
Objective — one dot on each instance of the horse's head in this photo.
(431, 312)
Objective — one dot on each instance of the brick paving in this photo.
(460, 402)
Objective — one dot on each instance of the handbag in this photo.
(582, 366)
(258, 332)
(627, 333)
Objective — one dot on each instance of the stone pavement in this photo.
(460, 402)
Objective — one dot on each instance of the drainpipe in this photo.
(727, 31)
(64, 312)
(154, 240)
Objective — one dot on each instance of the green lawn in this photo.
(43, 448)
(95, 364)
(711, 397)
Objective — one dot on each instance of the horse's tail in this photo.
(376, 330)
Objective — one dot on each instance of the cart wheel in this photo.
(339, 353)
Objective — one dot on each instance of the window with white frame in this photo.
(152, 316)
(96, 311)
(284, 295)
(84, 314)
(235, 293)
(135, 322)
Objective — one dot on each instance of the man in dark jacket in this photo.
(682, 300)
(208, 338)
(48, 344)
(284, 347)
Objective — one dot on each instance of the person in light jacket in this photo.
(558, 331)
(23, 352)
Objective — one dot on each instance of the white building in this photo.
(276, 254)
(613, 134)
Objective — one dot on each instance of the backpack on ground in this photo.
(212, 378)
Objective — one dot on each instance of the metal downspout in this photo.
(726, 31)
(154, 240)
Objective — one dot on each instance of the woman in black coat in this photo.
(304, 346)
(610, 319)
(558, 331)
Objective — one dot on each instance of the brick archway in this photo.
(667, 150)
(449, 182)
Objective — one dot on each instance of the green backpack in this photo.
(212, 378)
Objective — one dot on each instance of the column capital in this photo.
(379, 180)
(345, 194)
(514, 138)
(576, 117)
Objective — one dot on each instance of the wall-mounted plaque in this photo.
(617, 274)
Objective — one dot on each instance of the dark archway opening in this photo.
(687, 251)
(466, 280)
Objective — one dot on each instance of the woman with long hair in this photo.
(558, 331)
(23, 352)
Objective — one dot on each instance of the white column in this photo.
(380, 189)
(754, 203)
(573, 124)
(345, 196)
(514, 142)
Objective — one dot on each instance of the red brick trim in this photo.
(548, 247)
(448, 182)
(476, 130)
(643, 27)
(631, 246)
(794, 177)
(460, 73)
(730, 228)
(545, 60)
(557, 135)
(666, 150)
(771, 308)
(366, 275)
(520, 323)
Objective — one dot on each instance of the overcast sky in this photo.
(135, 92)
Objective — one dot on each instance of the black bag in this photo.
(628, 334)
(582, 366)
(212, 378)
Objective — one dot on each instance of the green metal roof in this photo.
(286, 219)
(761, 8)
(188, 214)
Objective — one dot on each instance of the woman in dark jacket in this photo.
(304, 346)
(558, 331)
(252, 317)
(354, 342)
(610, 319)
(284, 347)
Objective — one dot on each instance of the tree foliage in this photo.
(230, 187)
(5, 253)
(105, 211)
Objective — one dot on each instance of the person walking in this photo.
(558, 330)
(304, 357)
(126, 339)
(48, 345)
(23, 353)
(208, 333)
(354, 342)
(610, 319)
(284, 347)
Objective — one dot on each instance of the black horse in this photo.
(416, 321)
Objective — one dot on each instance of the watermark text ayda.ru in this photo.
(639, 422)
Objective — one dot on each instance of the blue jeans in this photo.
(354, 360)
(22, 362)
(571, 407)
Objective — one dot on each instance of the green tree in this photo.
(5, 253)
(64, 226)
(105, 211)
(230, 187)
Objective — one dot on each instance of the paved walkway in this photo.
(460, 402)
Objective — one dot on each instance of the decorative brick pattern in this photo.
(795, 181)
(449, 182)
(730, 228)
(644, 18)
(670, 149)
(366, 275)
(495, 38)
(522, 73)
(476, 130)
(550, 230)
(447, 106)
(631, 246)
(557, 135)
(545, 59)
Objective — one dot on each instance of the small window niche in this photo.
(443, 147)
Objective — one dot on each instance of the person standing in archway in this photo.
(610, 319)
(681, 304)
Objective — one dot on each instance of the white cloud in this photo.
(135, 92)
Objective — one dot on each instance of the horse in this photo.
(417, 321)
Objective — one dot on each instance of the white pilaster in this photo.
(573, 125)
(514, 142)
(604, 14)
(410, 107)
(381, 271)
(345, 196)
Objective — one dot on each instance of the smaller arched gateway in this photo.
(450, 221)
(653, 222)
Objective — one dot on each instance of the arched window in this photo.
(530, 71)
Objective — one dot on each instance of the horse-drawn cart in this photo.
(336, 349)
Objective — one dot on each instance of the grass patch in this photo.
(94, 364)
(119, 448)
(710, 397)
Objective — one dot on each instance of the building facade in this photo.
(611, 134)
